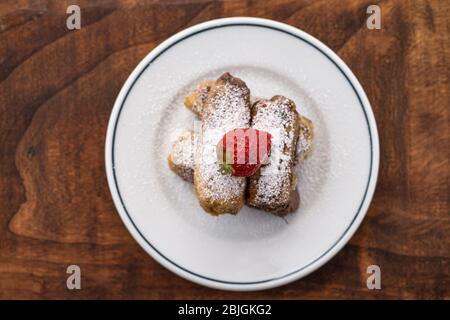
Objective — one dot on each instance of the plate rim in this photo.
(204, 280)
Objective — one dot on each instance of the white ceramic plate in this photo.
(253, 250)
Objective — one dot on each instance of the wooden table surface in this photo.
(57, 89)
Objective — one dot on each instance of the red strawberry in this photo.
(241, 152)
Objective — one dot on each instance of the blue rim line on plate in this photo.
(218, 280)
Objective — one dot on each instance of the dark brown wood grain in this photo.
(57, 89)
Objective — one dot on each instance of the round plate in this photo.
(252, 250)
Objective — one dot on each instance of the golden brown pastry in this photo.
(181, 157)
(196, 99)
(226, 106)
(273, 187)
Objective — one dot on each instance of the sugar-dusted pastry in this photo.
(273, 187)
(304, 143)
(227, 106)
(195, 100)
(181, 157)
(183, 150)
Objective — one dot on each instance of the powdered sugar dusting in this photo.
(195, 100)
(305, 138)
(226, 108)
(182, 151)
(182, 154)
(276, 116)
